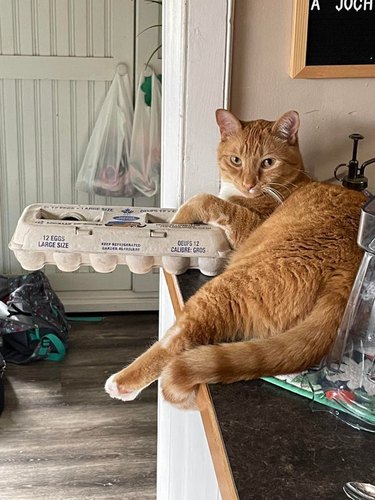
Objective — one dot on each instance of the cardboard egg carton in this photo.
(71, 236)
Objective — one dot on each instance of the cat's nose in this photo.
(248, 186)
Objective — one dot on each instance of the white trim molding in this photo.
(173, 102)
(108, 300)
(197, 44)
(196, 78)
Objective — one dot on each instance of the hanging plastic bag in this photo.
(105, 167)
(146, 137)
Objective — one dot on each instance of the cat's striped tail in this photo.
(291, 351)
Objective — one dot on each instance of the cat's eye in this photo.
(236, 160)
(267, 162)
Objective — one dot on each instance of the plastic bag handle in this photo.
(16, 311)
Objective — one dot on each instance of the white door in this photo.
(57, 59)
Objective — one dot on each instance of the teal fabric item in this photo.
(51, 339)
(49, 342)
(84, 319)
(146, 88)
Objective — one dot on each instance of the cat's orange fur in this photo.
(277, 306)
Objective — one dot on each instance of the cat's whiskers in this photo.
(271, 184)
(276, 195)
(285, 183)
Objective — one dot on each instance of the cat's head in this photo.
(259, 156)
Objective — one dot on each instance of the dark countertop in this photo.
(278, 446)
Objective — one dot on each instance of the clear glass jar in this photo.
(347, 376)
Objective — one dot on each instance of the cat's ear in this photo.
(287, 126)
(227, 122)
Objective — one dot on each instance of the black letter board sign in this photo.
(333, 39)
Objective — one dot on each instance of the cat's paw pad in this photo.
(113, 390)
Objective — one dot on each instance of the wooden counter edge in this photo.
(215, 441)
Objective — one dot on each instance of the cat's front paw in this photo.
(195, 210)
(112, 388)
(186, 214)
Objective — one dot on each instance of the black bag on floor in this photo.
(36, 327)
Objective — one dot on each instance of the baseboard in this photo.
(109, 300)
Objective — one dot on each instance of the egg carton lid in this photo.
(103, 237)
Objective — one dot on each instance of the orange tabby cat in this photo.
(277, 306)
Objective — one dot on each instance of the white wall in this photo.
(330, 109)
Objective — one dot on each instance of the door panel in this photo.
(57, 59)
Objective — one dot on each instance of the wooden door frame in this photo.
(197, 41)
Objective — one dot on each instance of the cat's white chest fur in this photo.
(228, 189)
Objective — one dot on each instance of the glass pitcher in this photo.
(348, 374)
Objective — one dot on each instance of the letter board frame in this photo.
(301, 36)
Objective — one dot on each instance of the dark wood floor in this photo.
(63, 437)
